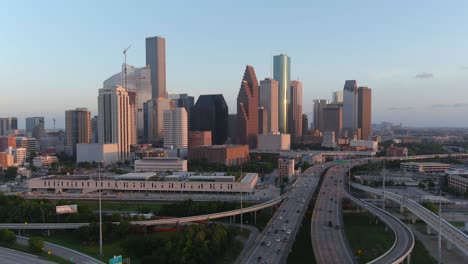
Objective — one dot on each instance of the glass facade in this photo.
(282, 73)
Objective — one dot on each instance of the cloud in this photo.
(424, 75)
(399, 108)
(457, 105)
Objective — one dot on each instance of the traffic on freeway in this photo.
(275, 241)
(328, 239)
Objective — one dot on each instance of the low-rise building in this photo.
(429, 167)
(105, 153)
(458, 180)
(329, 139)
(6, 160)
(363, 145)
(229, 155)
(19, 156)
(44, 161)
(160, 164)
(199, 138)
(274, 141)
(393, 151)
(82, 184)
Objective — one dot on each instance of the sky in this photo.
(54, 55)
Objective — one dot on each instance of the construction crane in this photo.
(125, 67)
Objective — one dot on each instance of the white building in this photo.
(425, 166)
(176, 128)
(364, 145)
(337, 97)
(160, 164)
(114, 119)
(274, 141)
(458, 180)
(329, 139)
(105, 153)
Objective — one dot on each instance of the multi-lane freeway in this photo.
(275, 241)
(328, 239)
(10, 256)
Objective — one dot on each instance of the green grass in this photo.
(121, 205)
(42, 255)
(457, 223)
(109, 248)
(301, 251)
(420, 255)
(367, 237)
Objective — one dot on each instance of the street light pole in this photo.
(383, 185)
(241, 202)
(100, 211)
(440, 228)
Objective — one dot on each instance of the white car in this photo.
(288, 231)
(324, 227)
(268, 244)
(281, 217)
(278, 239)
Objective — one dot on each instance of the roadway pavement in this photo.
(10, 256)
(328, 239)
(275, 242)
(65, 253)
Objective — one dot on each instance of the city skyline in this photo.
(391, 58)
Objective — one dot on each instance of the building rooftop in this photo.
(248, 177)
(426, 163)
(135, 176)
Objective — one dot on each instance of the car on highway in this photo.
(288, 231)
(324, 227)
(283, 228)
(285, 239)
(268, 244)
(287, 221)
(281, 217)
(278, 251)
(259, 259)
(337, 227)
(278, 239)
(262, 244)
(330, 224)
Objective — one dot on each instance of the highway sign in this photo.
(116, 260)
(341, 161)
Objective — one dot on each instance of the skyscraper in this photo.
(94, 129)
(156, 59)
(7, 125)
(350, 107)
(319, 120)
(154, 119)
(305, 124)
(247, 109)
(333, 118)
(35, 126)
(77, 129)
(295, 110)
(114, 119)
(337, 97)
(175, 128)
(139, 81)
(269, 100)
(282, 73)
(210, 113)
(364, 112)
(262, 121)
(132, 120)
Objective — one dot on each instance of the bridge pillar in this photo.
(466, 226)
(428, 230)
(402, 209)
(255, 217)
(408, 259)
(413, 219)
(449, 245)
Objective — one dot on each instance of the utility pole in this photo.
(349, 179)
(242, 229)
(100, 211)
(383, 206)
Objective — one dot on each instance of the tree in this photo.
(421, 185)
(11, 173)
(7, 237)
(36, 245)
(431, 184)
(305, 165)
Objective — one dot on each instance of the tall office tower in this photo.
(176, 128)
(305, 124)
(247, 110)
(337, 97)
(295, 110)
(7, 142)
(8, 125)
(210, 113)
(138, 81)
(185, 101)
(319, 121)
(350, 107)
(94, 129)
(159, 105)
(132, 106)
(333, 118)
(269, 100)
(282, 73)
(262, 121)
(156, 59)
(364, 109)
(77, 129)
(232, 122)
(35, 126)
(114, 119)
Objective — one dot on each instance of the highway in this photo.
(10, 256)
(449, 232)
(275, 241)
(404, 239)
(328, 239)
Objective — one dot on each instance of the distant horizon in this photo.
(415, 63)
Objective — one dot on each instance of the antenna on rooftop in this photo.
(53, 119)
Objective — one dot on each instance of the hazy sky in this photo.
(54, 55)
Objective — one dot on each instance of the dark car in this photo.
(330, 224)
(287, 221)
(259, 259)
(337, 227)
(278, 251)
(262, 244)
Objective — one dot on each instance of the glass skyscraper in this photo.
(282, 73)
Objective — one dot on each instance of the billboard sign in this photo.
(66, 209)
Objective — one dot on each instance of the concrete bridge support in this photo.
(428, 230)
(449, 245)
(408, 259)
(402, 209)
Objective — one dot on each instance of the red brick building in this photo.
(247, 110)
(6, 142)
(229, 155)
(199, 138)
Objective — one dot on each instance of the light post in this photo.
(440, 228)
(241, 202)
(100, 210)
(383, 206)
